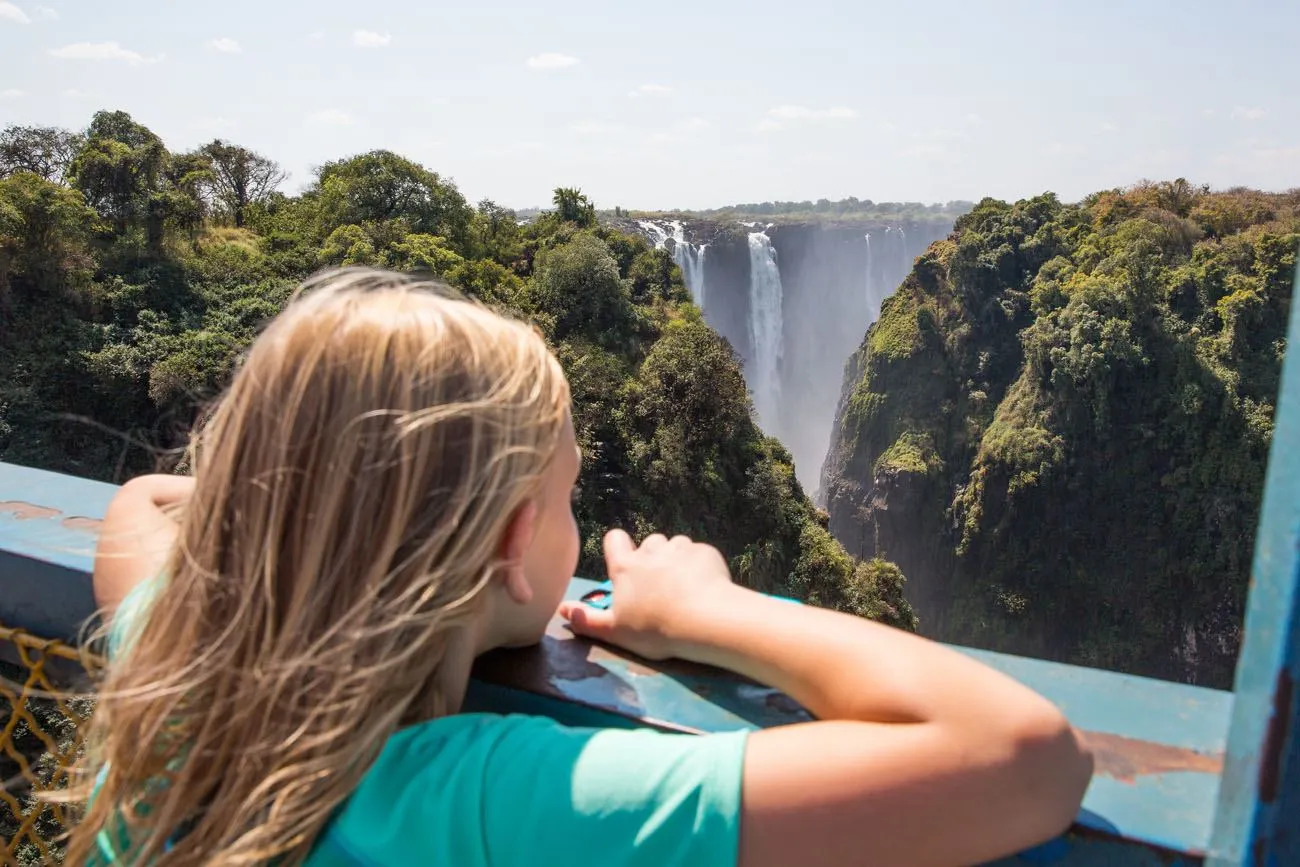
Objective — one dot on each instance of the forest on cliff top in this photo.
(131, 278)
(845, 211)
(1059, 426)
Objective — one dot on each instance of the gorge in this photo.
(793, 299)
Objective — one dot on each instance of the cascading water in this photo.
(870, 288)
(765, 328)
(691, 260)
(688, 257)
(655, 231)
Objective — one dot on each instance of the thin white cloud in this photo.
(439, 100)
(331, 117)
(371, 39)
(73, 93)
(651, 90)
(1283, 158)
(778, 117)
(225, 45)
(1208, 112)
(803, 112)
(595, 127)
(316, 34)
(1243, 112)
(1275, 155)
(1107, 126)
(551, 60)
(514, 149)
(10, 12)
(681, 130)
(214, 124)
(45, 13)
(102, 51)
(11, 93)
(929, 149)
(974, 119)
(1064, 149)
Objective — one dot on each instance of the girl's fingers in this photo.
(618, 545)
(653, 541)
(588, 621)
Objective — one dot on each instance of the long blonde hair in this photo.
(351, 491)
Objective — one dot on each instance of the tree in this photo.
(119, 167)
(380, 187)
(43, 150)
(43, 233)
(241, 177)
(188, 176)
(496, 232)
(571, 206)
(578, 285)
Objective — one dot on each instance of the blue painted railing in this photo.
(1184, 775)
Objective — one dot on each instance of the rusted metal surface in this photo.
(1126, 759)
(1257, 820)
(21, 511)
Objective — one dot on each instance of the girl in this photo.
(383, 494)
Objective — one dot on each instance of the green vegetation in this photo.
(850, 210)
(1059, 426)
(131, 278)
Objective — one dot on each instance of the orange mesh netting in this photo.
(39, 741)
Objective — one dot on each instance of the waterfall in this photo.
(655, 231)
(765, 328)
(687, 256)
(871, 295)
(691, 260)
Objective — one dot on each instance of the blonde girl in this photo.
(384, 493)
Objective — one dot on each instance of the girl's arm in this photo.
(137, 535)
(921, 755)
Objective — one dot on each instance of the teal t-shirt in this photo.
(485, 790)
(479, 790)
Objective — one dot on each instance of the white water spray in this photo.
(688, 257)
(655, 231)
(871, 303)
(691, 260)
(765, 328)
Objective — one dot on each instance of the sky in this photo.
(665, 104)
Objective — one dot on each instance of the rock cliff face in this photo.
(1058, 425)
(833, 279)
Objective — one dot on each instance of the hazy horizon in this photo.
(685, 107)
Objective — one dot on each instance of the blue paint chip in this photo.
(602, 596)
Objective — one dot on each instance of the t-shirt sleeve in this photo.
(612, 797)
(130, 615)
(519, 791)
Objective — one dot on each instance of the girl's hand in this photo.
(664, 591)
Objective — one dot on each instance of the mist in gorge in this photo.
(794, 296)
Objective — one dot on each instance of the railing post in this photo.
(1257, 821)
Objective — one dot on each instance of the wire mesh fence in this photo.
(40, 737)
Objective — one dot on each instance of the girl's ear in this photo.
(514, 545)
